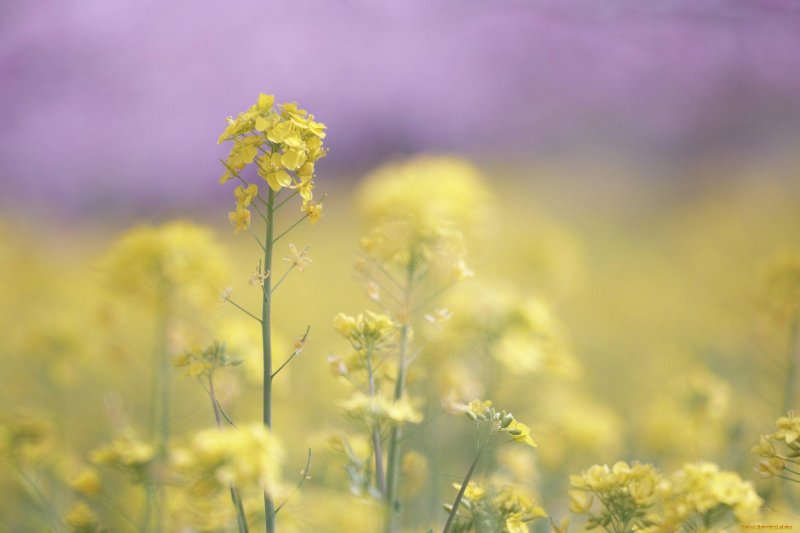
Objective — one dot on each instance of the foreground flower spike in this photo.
(625, 494)
(284, 143)
(513, 511)
(780, 451)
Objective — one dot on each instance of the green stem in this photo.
(266, 340)
(392, 473)
(376, 433)
(161, 409)
(790, 389)
(463, 488)
(241, 518)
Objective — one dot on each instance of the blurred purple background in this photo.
(123, 100)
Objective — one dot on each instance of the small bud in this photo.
(506, 421)
(514, 432)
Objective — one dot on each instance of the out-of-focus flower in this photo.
(159, 263)
(377, 411)
(86, 482)
(488, 507)
(417, 211)
(625, 493)
(366, 331)
(80, 518)
(298, 258)
(129, 454)
(247, 456)
(703, 490)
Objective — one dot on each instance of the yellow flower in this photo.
(377, 410)
(81, 518)
(86, 482)
(313, 210)
(521, 433)
(248, 456)
(240, 219)
(298, 258)
(289, 142)
(177, 258)
(770, 467)
(244, 196)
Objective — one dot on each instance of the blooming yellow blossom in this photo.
(81, 518)
(86, 482)
(240, 219)
(283, 143)
(174, 259)
(377, 410)
(247, 456)
(244, 196)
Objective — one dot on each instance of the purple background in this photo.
(103, 100)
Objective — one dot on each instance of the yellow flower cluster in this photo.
(417, 210)
(636, 495)
(366, 331)
(625, 492)
(26, 437)
(284, 142)
(774, 462)
(497, 421)
(377, 411)
(202, 362)
(505, 509)
(247, 456)
(702, 493)
(160, 262)
(129, 454)
(81, 519)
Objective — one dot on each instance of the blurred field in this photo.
(670, 352)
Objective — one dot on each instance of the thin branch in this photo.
(290, 228)
(295, 193)
(294, 353)
(248, 313)
(303, 479)
(277, 284)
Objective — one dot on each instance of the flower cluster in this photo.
(248, 457)
(497, 421)
(775, 462)
(160, 262)
(417, 211)
(379, 411)
(129, 454)
(700, 494)
(284, 142)
(203, 361)
(366, 331)
(486, 507)
(625, 494)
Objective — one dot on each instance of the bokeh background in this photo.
(643, 173)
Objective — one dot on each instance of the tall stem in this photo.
(463, 488)
(266, 340)
(376, 433)
(161, 409)
(792, 362)
(241, 518)
(392, 473)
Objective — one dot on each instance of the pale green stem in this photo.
(266, 340)
(793, 357)
(393, 468)
(241, 518)
(376, 433)
(463, 488)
